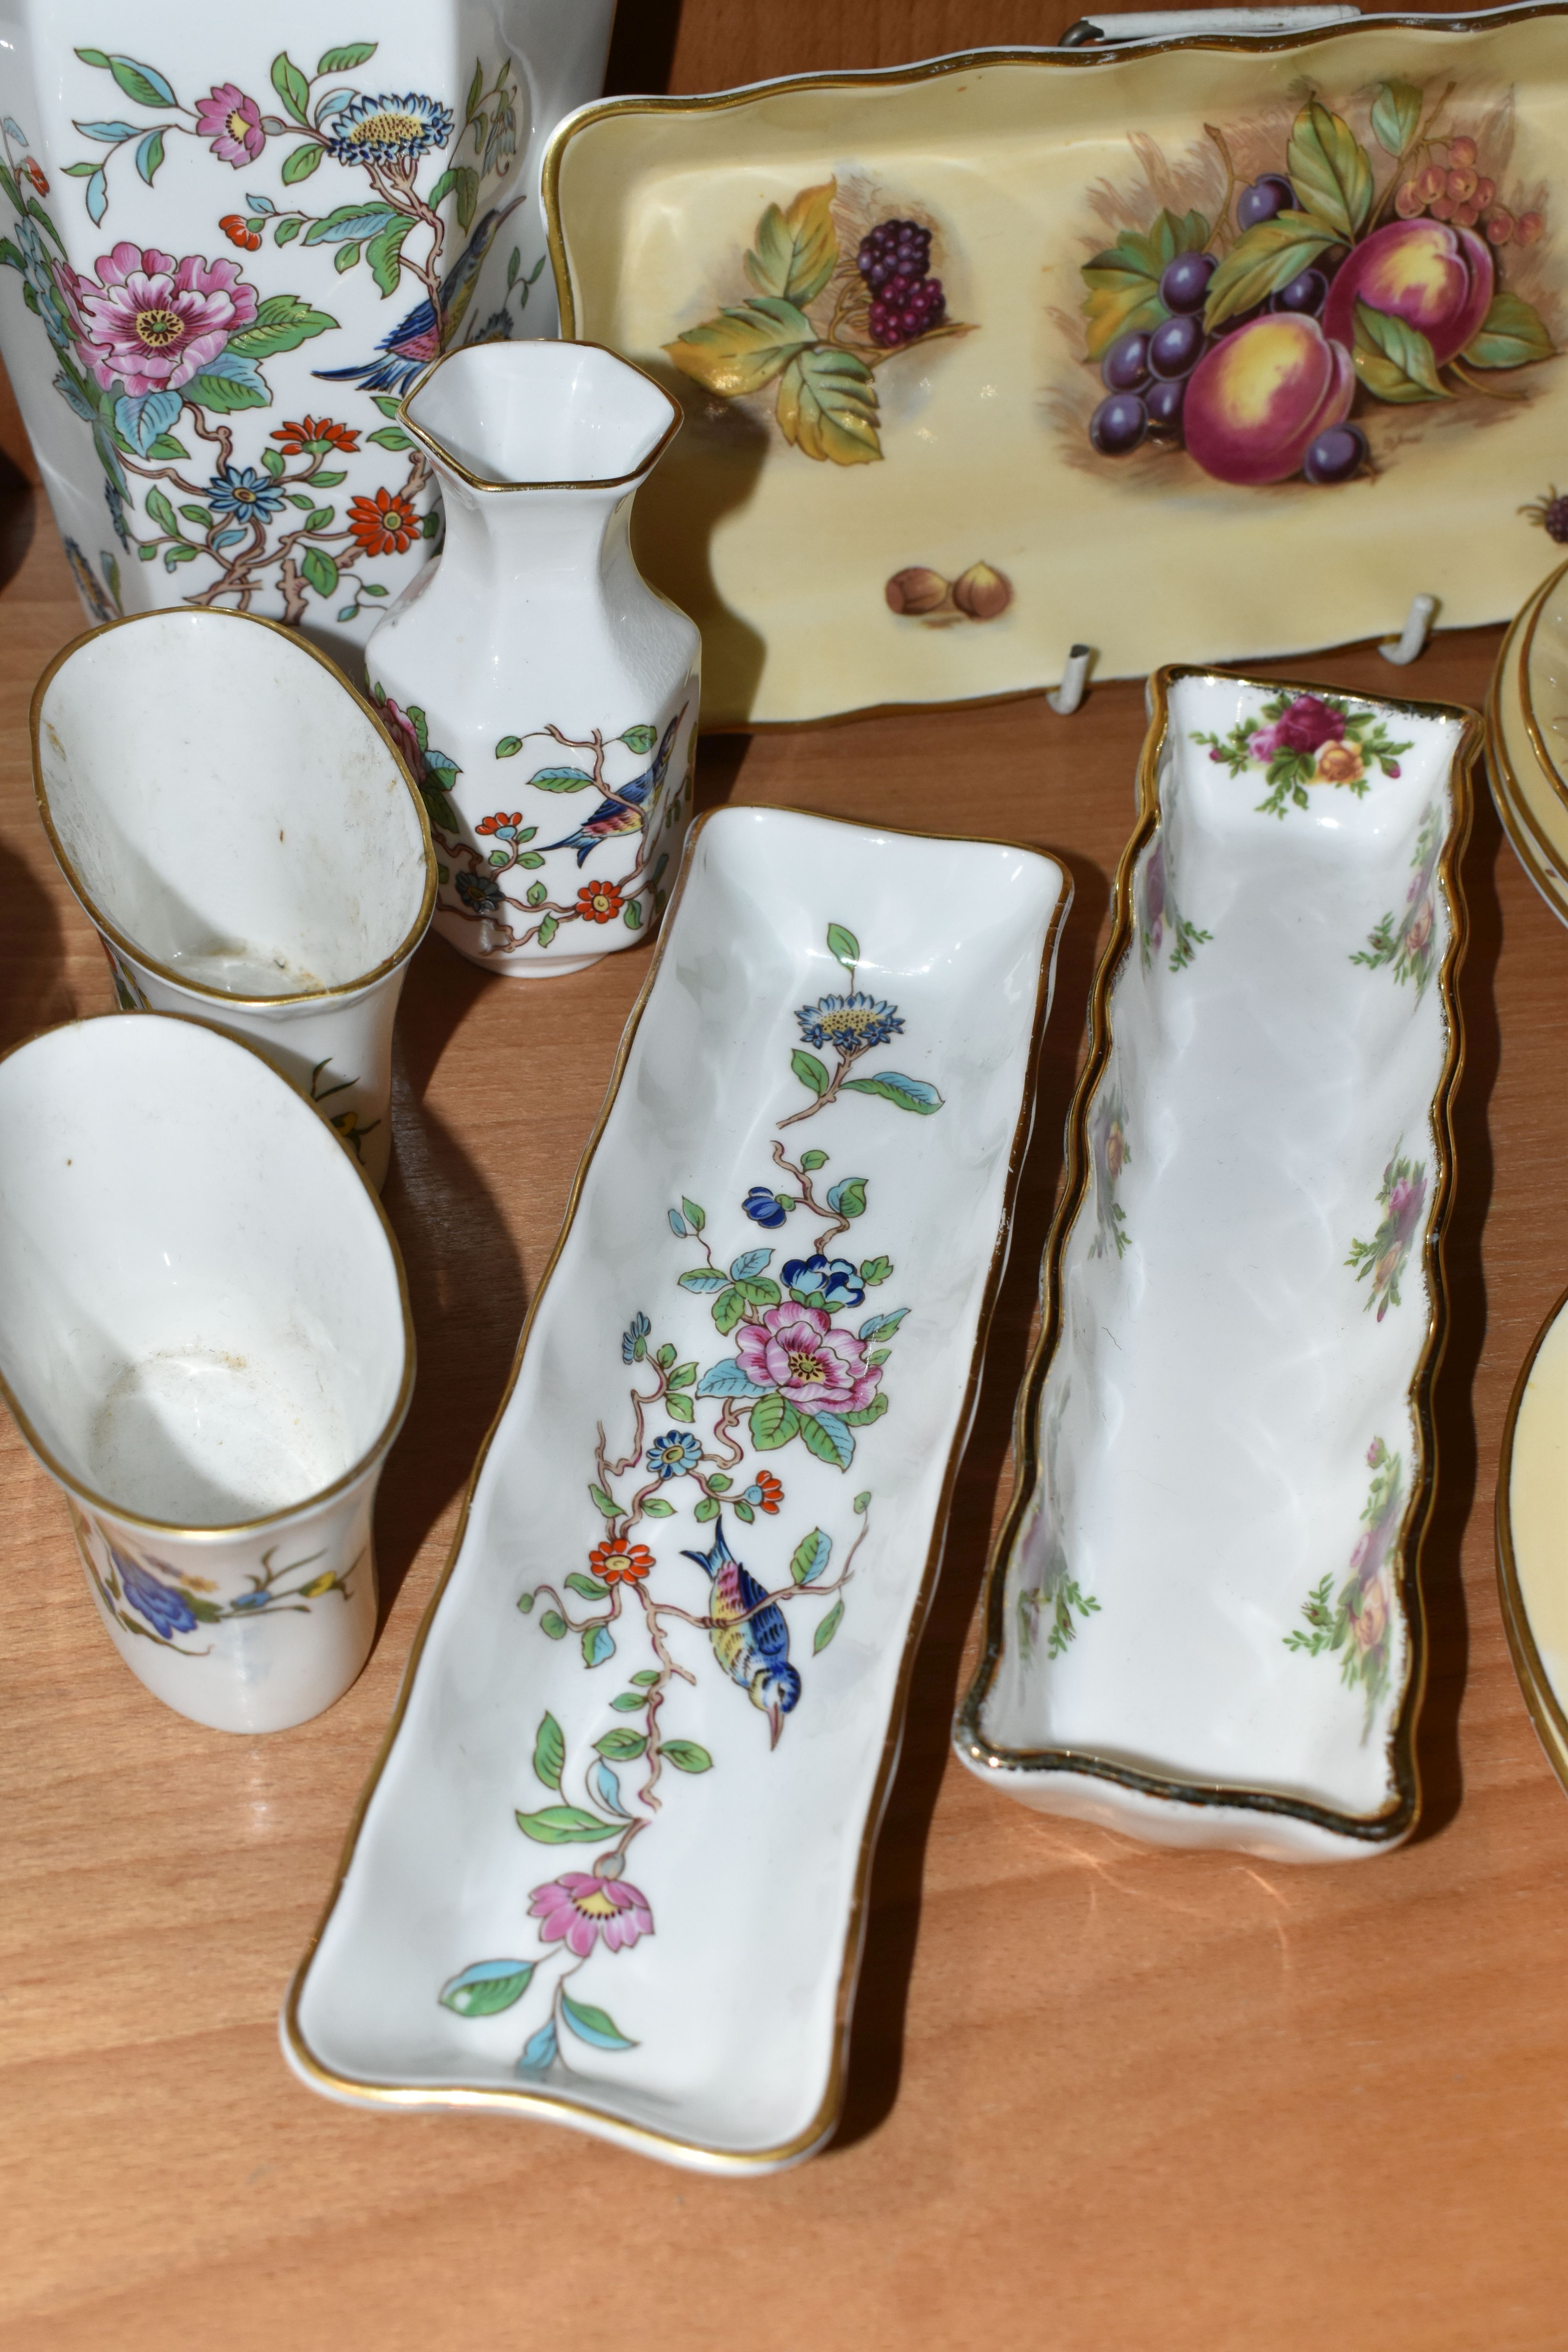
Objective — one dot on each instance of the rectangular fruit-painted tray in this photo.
(857, 522)
(611, 1865)
(1202, 1618)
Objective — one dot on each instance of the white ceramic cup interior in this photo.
(226, 804)
(548, 414)
(201, 1317)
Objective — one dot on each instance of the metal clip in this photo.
(1413, 637)
(1069, 694)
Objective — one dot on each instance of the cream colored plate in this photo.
(1023, 164)
(1534, 818)
(1532, 1535)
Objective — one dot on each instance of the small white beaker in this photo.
(205, 1337)
(239, 825)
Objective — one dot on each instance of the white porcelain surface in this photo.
(204, 1339)
(735, 1850)
(1210, 1592)
(239, 829)
(288, 221)
(546, 697)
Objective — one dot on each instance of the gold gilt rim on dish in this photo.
(643, 2136)
(448, 457)
(1538, 855)
(1545, 1710)
(76, 1488)
(1536, 606)
(303, 997)
(1394, 1822)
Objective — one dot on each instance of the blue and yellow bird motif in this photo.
(428, 328)
(623, 808)
(751, 1643)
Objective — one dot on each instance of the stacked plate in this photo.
(1527, 739)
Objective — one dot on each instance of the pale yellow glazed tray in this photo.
(855, 523)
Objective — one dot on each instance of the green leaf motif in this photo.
(809, 1071)
(598, 1644)
(695, 1217)
(827, 1436)
(843, 946)
(646, 1677)
(487, 1987)
(796, 250)
(337, 62)
(595, 2026)
(560, 780)
(828, 406)
(1510, 335)
(640, 739)
(562, 1825)
(1262, 260)
(828, 1627)
(602, 1502)
(680, 1408)
(292, 88)
(150, 154)
(811, 1160)
(686, 1756)
(345, 258)
(145, 84)
(383, 256)
(728, 1309)
(621, 1746)
(548, 1752)
(1123, 280)
(161, 512)
(874, 1270)
(1396, 116)
(706, 1509)
(773, 1423)
(741, 350)
(510, 745)
(554, 1625)
(629, 1702)
(909, 1094)
(1394, 360)
(862, 1500)
(656, 1508)
(319, 570)
(848, 1197)
(868, 1412)
(225, 392)
(586, 1588)
(811, 1557)
(301, 164)
(1328, 170)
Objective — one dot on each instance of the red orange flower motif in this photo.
(383, 525)
(599, 902)
(315, 432)
(494, 824)
(239, 232)
(770, 1492)
(618, 1561)
(36, 176)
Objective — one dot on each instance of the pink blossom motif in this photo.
(405, 737)
(577, 1908)
(233, 122)
(1306, 726)
(801, 1352)
(153, 322)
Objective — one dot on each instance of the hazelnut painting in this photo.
(1284, 326)
(980, 593)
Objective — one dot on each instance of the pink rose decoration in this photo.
(800, 1351)
(402, 735)
(1306, 726)
(155, 323)
(577, 1908)
(233, 122)
(1406, 1202)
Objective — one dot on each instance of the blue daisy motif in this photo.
(390, 130)
(165, 1609)
(241, 491)
(849, 1024)
(828, 1281)
(674, 1453)
(763, 1208)
(480, 893)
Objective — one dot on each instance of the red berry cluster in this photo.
(1461, 195)
(239, 232)
(894, 259)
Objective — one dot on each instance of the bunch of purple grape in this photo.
(1146, 372)
(893, 259)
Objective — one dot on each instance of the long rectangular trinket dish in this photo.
(1203, 1619)
(653, 1714)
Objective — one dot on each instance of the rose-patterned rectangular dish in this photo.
(1279, 314)
(610, 1868)
(1203, 1616)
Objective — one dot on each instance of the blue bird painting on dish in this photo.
(801, 1362)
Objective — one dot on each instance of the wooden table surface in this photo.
(1100, 2097)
